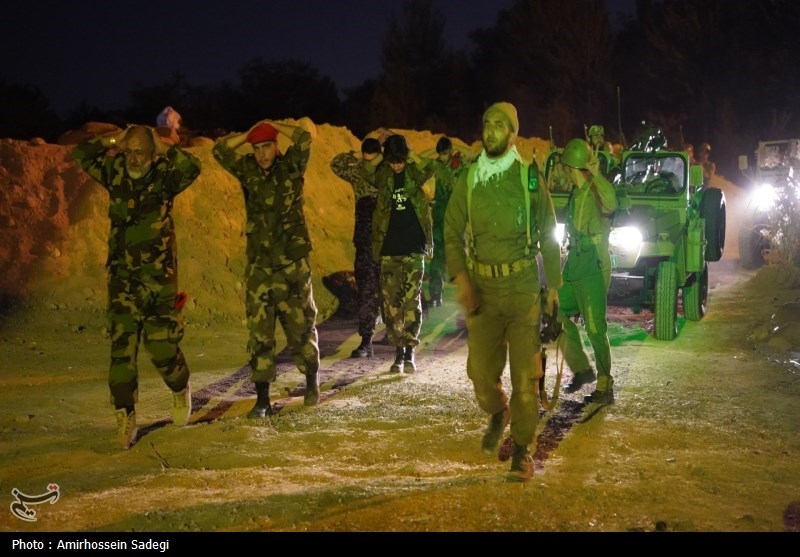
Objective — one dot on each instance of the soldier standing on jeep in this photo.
(709, 168)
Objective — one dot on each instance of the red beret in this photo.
(261, 133)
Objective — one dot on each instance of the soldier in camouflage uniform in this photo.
(278, 275)
(401, 237)
(496, 223)
(350, 168)
(448, 165)
(142, 174)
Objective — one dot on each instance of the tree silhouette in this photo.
(552, 59)
(412, 86)
(25, 113)
(286, 89)
(723, 71)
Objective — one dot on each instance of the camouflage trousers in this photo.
(283, 295)
(367, 274)
(401, 291)
(506, 327)
(437, 272)
(142, 309)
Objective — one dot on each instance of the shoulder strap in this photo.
(525, 176)
(470, 184)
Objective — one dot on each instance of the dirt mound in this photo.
(54, 226)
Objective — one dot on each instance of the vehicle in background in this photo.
(770, 230)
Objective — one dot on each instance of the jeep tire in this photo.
(695, 295)
(712, 209)
(752, 243)
(666, 326)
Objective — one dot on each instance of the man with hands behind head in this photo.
(278, 274)
(142, 174)
(587, 271)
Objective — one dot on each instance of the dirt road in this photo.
(703, 436)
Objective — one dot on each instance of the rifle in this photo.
(549, 331)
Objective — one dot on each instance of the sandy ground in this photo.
(703, 436)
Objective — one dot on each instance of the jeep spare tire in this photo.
(712, 209)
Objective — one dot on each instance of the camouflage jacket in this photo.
(446, 177)
(142, 237)
(276, 227)
(415, 178)
(350, 168)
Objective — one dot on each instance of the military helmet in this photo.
(576, 154)
(596, 130)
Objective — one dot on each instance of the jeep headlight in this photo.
(560, 233)
(625, 238)
(764, 197)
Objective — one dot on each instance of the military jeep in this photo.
(667, 228)
(771, 225)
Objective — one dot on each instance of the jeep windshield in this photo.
(778, 155)
(654, 174)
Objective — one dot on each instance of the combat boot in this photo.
(182, 406)
(126, 427)
(408, 360)
(399, 357)
(262, 407)
(521, 464)
(602, 398)
(493, 434)
(311, 396)
(604, 393)
(364, 350)
(580, 379)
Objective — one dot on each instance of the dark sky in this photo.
(97, 50)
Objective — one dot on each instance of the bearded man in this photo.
(497, 220)
(142, 174)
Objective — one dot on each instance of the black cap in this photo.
(395, 149)
(370, 146)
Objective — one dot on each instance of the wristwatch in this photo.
(112, 141)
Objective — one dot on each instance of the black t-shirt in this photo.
(404, 235)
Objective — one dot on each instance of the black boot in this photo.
(364, 349)
(399, 355)
(408, 360)
(311, 396)
(262, 407)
